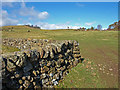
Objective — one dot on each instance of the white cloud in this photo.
(50, 26)
(19, 24)
(32, 13)
(44, 25)
(89, 23)
(29, 12)
(104, 28)
(25, 11)
(5, 20)
(75, 27)
(43, 15)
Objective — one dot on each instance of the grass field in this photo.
(99, 48)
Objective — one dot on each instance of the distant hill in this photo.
(27, 27)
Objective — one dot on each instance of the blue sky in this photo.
(57, 15)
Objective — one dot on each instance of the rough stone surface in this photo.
(40, 63)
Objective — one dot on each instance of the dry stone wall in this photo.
(40, 63)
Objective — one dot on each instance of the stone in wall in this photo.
(41, 63)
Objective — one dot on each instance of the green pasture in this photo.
(97, 47)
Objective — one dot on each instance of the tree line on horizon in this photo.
(112, 27)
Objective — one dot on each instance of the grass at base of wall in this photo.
(6, 49)
(84, 75)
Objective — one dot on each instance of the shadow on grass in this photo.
(82, 59)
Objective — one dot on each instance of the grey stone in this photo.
(26, 84)
(10, 66)
(46, 52)
(21, 60)
(44, 81)
(49, 64)
(34, 83)
(23, 78)
(76, 52)
(34, 72)
(51, 74)
(55, 82)
(31, 79)
(20, 81)
(28, 77)
(17, 75)
(43, 76)
(34, 56)
(28, 67)
(77, 55)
